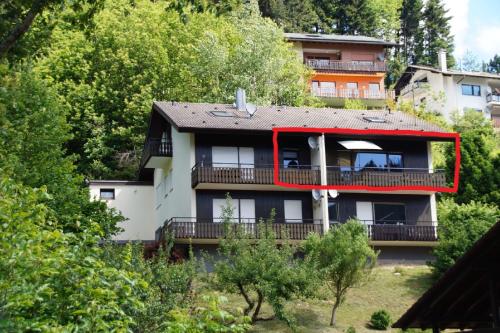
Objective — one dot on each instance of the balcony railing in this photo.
(385, 177)
(208, 228)
(252, 174)
(339, 65)
(490, 97)
(353, 93)
(156, 148)
(310, 175)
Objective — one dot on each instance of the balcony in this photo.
(377, 177)
(155, 153)
(346, 66)
(191, 229)
(492, 98)
(336, 97)
(212, 229)
(252, 174)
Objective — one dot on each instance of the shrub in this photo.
(343, 258)
(260, 270)
(350, 329)
(380, 320)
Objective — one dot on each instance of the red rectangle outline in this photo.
(455, 136)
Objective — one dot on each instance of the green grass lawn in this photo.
(386, 290)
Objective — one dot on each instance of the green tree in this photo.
(291, 15)
(411, 17)
(435, 35)
(34, 133)
(18, 17)
(260, 269)
(344, 259)
(480, 160)
(493, 65)
(54, 281)
(460, 226)
(354, 17)
(107, 77)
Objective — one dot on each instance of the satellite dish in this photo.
(333, 193)
(316, 194)
(251, 109)
(380, 57)
(313, 142)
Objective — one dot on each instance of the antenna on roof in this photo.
(251, 109)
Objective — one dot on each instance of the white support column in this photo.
(429, 157)
(324, 193)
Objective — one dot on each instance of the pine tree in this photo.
(493, 65)
(435, 35)
(355, 17)
(411, 16)
(291, 15)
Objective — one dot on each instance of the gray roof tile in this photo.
(196, 116)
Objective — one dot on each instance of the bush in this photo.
(380, 320)
(350, 329)
(460, 227)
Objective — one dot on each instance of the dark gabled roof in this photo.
(461, 298)
(324, 38)
(192, 117)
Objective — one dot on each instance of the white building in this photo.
(449, 91)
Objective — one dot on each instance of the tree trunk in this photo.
(257, 309)
(334, 313)
(21, 28)
(249, 301)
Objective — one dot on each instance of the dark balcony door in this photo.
(389, 213)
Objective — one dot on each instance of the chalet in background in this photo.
(345, 67)
(195, 153)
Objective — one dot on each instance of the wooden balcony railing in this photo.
(389, 177)
(156, 147)
(350, 66)
(207, 228)
(196, 228)
(252, 174)
(353, 93)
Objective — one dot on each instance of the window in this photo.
(293, 211)
(333, 211)
(374, 87)
(107, 193)
(243, 210)
(378, 161)
(232, 157)
(290, 158)
(375, 119)
(389, 213)
(471, 90)
(222, 114)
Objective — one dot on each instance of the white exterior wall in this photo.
(135, 202)
(174, 196)
(451, 87)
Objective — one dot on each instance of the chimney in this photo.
(241, 100)
(442, 60)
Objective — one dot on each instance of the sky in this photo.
(476, 27)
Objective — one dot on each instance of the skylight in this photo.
(375, 119)
(222, 114)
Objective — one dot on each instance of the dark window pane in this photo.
(395, 162)
(333, 211)
(290, 158)
(107, 193)
(370, 161)
(389, 213)
(476, 90)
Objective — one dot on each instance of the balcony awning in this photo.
(358, 144)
